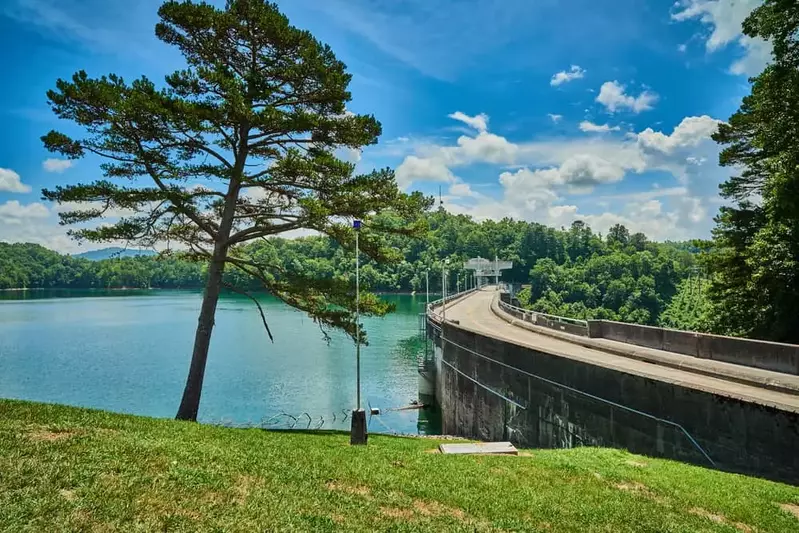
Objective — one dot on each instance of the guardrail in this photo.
(449, 298)
(560, 323)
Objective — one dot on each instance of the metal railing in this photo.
(436, 303)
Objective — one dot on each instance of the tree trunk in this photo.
(190, 403)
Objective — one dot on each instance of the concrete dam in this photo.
(503, 373)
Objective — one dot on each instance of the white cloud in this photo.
(56, 165)
(34, 223)
(12, 212)
(689, 133)
(485, 147)
(350, 155)
(758, 55)
(580, 171)
(725, 17)
(11, 182)
(555, 118)
(682, 48)
(644, 196)
(596, 128)
(414, 169)
(548, 171)
(574, 73)
(462, 190)
(478, 122)
(613, 97)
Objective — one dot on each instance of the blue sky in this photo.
(546, 110)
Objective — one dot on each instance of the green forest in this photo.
(572, 271)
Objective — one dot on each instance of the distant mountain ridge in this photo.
(113, 252)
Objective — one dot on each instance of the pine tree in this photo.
(239, 145)
(754, 259)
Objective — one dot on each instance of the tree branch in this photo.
(257, 304)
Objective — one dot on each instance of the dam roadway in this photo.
(474, 312)
(498, 377)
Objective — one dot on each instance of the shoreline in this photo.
(123, 289)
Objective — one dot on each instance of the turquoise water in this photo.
(129, 351)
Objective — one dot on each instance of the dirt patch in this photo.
(707, 514)
(243, 486)
(106, 432)
(152, 504)
(437, 509)
(636, 487)
(790, 508)
(109, 479)
(433, 450)
(396, 513)
(427, 509)
(637, 464)
(47, 435)
(356, 490)
(721, 519)
(338, 518)
(68, 495)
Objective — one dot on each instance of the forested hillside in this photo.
(573, 272)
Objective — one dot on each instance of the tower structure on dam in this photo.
(486, 270)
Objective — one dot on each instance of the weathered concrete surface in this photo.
(758, 354)
(477, 448)
(543, 321)
(496, 381)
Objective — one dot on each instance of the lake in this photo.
(129, 351)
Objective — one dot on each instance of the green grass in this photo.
(68, 469)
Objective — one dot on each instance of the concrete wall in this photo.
(738, 436)
(539, 319)
(759, 354)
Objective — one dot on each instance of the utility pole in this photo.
(358, 433)
(426, 289)
(444, 290)
(496, 270)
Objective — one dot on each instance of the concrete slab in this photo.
(492, 448)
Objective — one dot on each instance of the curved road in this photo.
(474, 312)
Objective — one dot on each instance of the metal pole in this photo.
(358, 430)
(444, 292)
(358, 318)
(496, 270)
(427, 289)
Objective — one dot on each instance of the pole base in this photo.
(358, 434)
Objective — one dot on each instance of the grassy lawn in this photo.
(68, 469)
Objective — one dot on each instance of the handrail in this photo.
(556, 318)
(434, 303)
